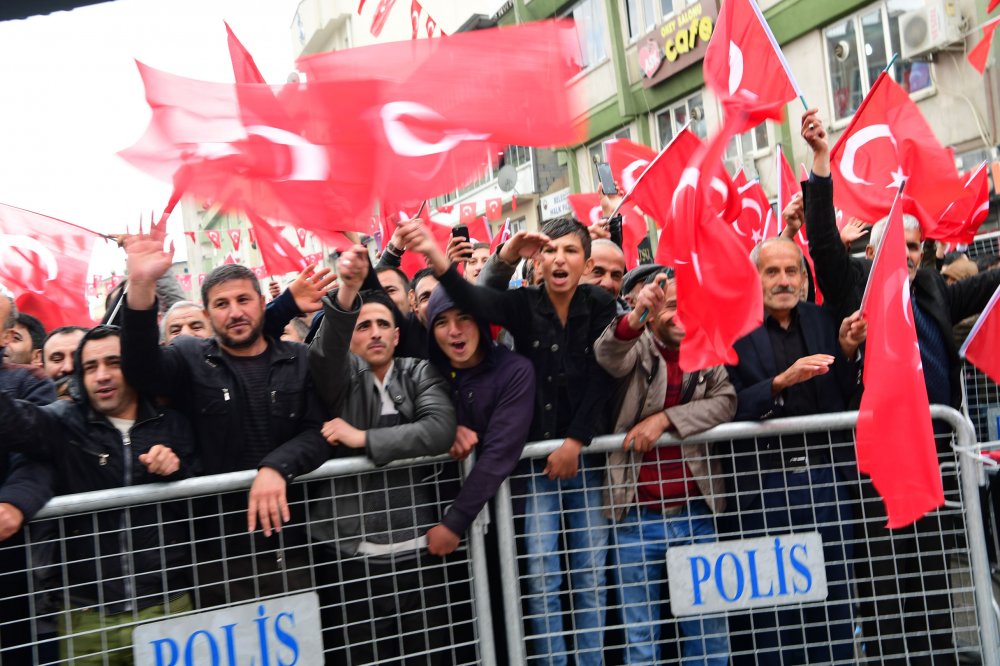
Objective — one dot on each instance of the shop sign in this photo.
(677, 43)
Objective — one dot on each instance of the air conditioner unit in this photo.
(933, 27)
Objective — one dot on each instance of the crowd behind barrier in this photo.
(733, 586)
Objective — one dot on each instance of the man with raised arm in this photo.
(251, 402)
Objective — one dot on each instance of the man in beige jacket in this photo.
(665, 496)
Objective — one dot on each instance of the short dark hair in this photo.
(984, 262)
(379, 297)
(226, 273)
(398, 271)
(97, 333)
(63, 330)
(420, 275)
(480, 246)
(564, 226)
(34, 328)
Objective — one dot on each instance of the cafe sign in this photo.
(678, 42)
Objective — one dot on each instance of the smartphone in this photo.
(606, 179)
(460, 230)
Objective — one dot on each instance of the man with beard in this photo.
(251, 402)
(57, 356)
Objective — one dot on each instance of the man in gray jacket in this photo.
(388, 594)
(661, 497)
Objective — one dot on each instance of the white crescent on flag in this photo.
(21, 242)
(309, 161)
(595, 215)
(855, 142)
(735, 68)
(405, 143)
(689, 179)
(631, 173)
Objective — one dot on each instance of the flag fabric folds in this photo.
(44, 261)
(982, 347)
(277, 253)
(895, 439)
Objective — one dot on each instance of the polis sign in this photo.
(677, 43)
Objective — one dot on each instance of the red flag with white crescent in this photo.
(381, 16)
(44, 262)
(234, 236)
(415, 10)
(494, 208)
(467, 212)
(430, 26)
(279, 255)
(982, 347)
(895, 439)
(215, 237)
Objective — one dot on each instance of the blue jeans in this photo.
(578, 504)
(642, 538)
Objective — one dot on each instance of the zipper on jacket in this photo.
(125, 526)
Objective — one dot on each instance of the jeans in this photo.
(642, 538)
(577, 503)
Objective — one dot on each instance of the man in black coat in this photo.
(251, 403)
(113, 561)
(798, 362)
(908, 568)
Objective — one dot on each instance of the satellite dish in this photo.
(507, 178)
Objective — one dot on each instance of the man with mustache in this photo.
(250, 400)
(908, 577)
(798, 362)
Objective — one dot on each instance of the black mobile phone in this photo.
(606, 179)
(460, 230)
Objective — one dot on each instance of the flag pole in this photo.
(891, 62)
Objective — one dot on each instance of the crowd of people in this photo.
(369, 361)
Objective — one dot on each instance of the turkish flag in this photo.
(201, 279)
(895, 440)
(446, 209)
(494, 209)
(185, 280)
(980, 53)
(513, 202)
(278, 254)
(430, 25)
(230, 259)
(301, 233)
(963, 217)
(586, 207)
(433, 142)
(215, 237)
(982, 347)
(743, 59)
(479, 231)
(415, 10)
(44, 262)
(381, 15)
(241, 146)
(253, 239)
(467, 212)
(244, 67)
(361, 5)
(501, 237)
(260, 272)
(993, 5)
(628, 160)
(234, 236)
(192, 236)
(719, 298)
(889, 141)
(756, 222)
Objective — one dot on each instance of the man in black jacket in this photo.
(799, 362)
(115, 560)
(908, 576)
(251, 403)
(380, 585)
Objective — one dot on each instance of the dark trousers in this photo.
(18, 629)
(389, 610)
(800, 502)
(903, 582)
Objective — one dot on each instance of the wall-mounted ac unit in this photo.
(933, 27)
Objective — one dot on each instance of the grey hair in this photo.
(604, 242)
(755, 252)
(11, 319)
(179, 305)
(910, 223)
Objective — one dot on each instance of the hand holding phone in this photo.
(607, 180)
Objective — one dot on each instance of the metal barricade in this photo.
(796, 565)
(798, 568)
(100, 565)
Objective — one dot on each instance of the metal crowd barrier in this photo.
(199, 590)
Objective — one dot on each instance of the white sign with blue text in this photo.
(278, 632)
(749, 573)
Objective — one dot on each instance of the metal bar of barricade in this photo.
(969, 472)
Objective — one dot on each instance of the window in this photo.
(743, 148)
(859, 48)
(643, 15)
(671, 120)
(589, 18)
